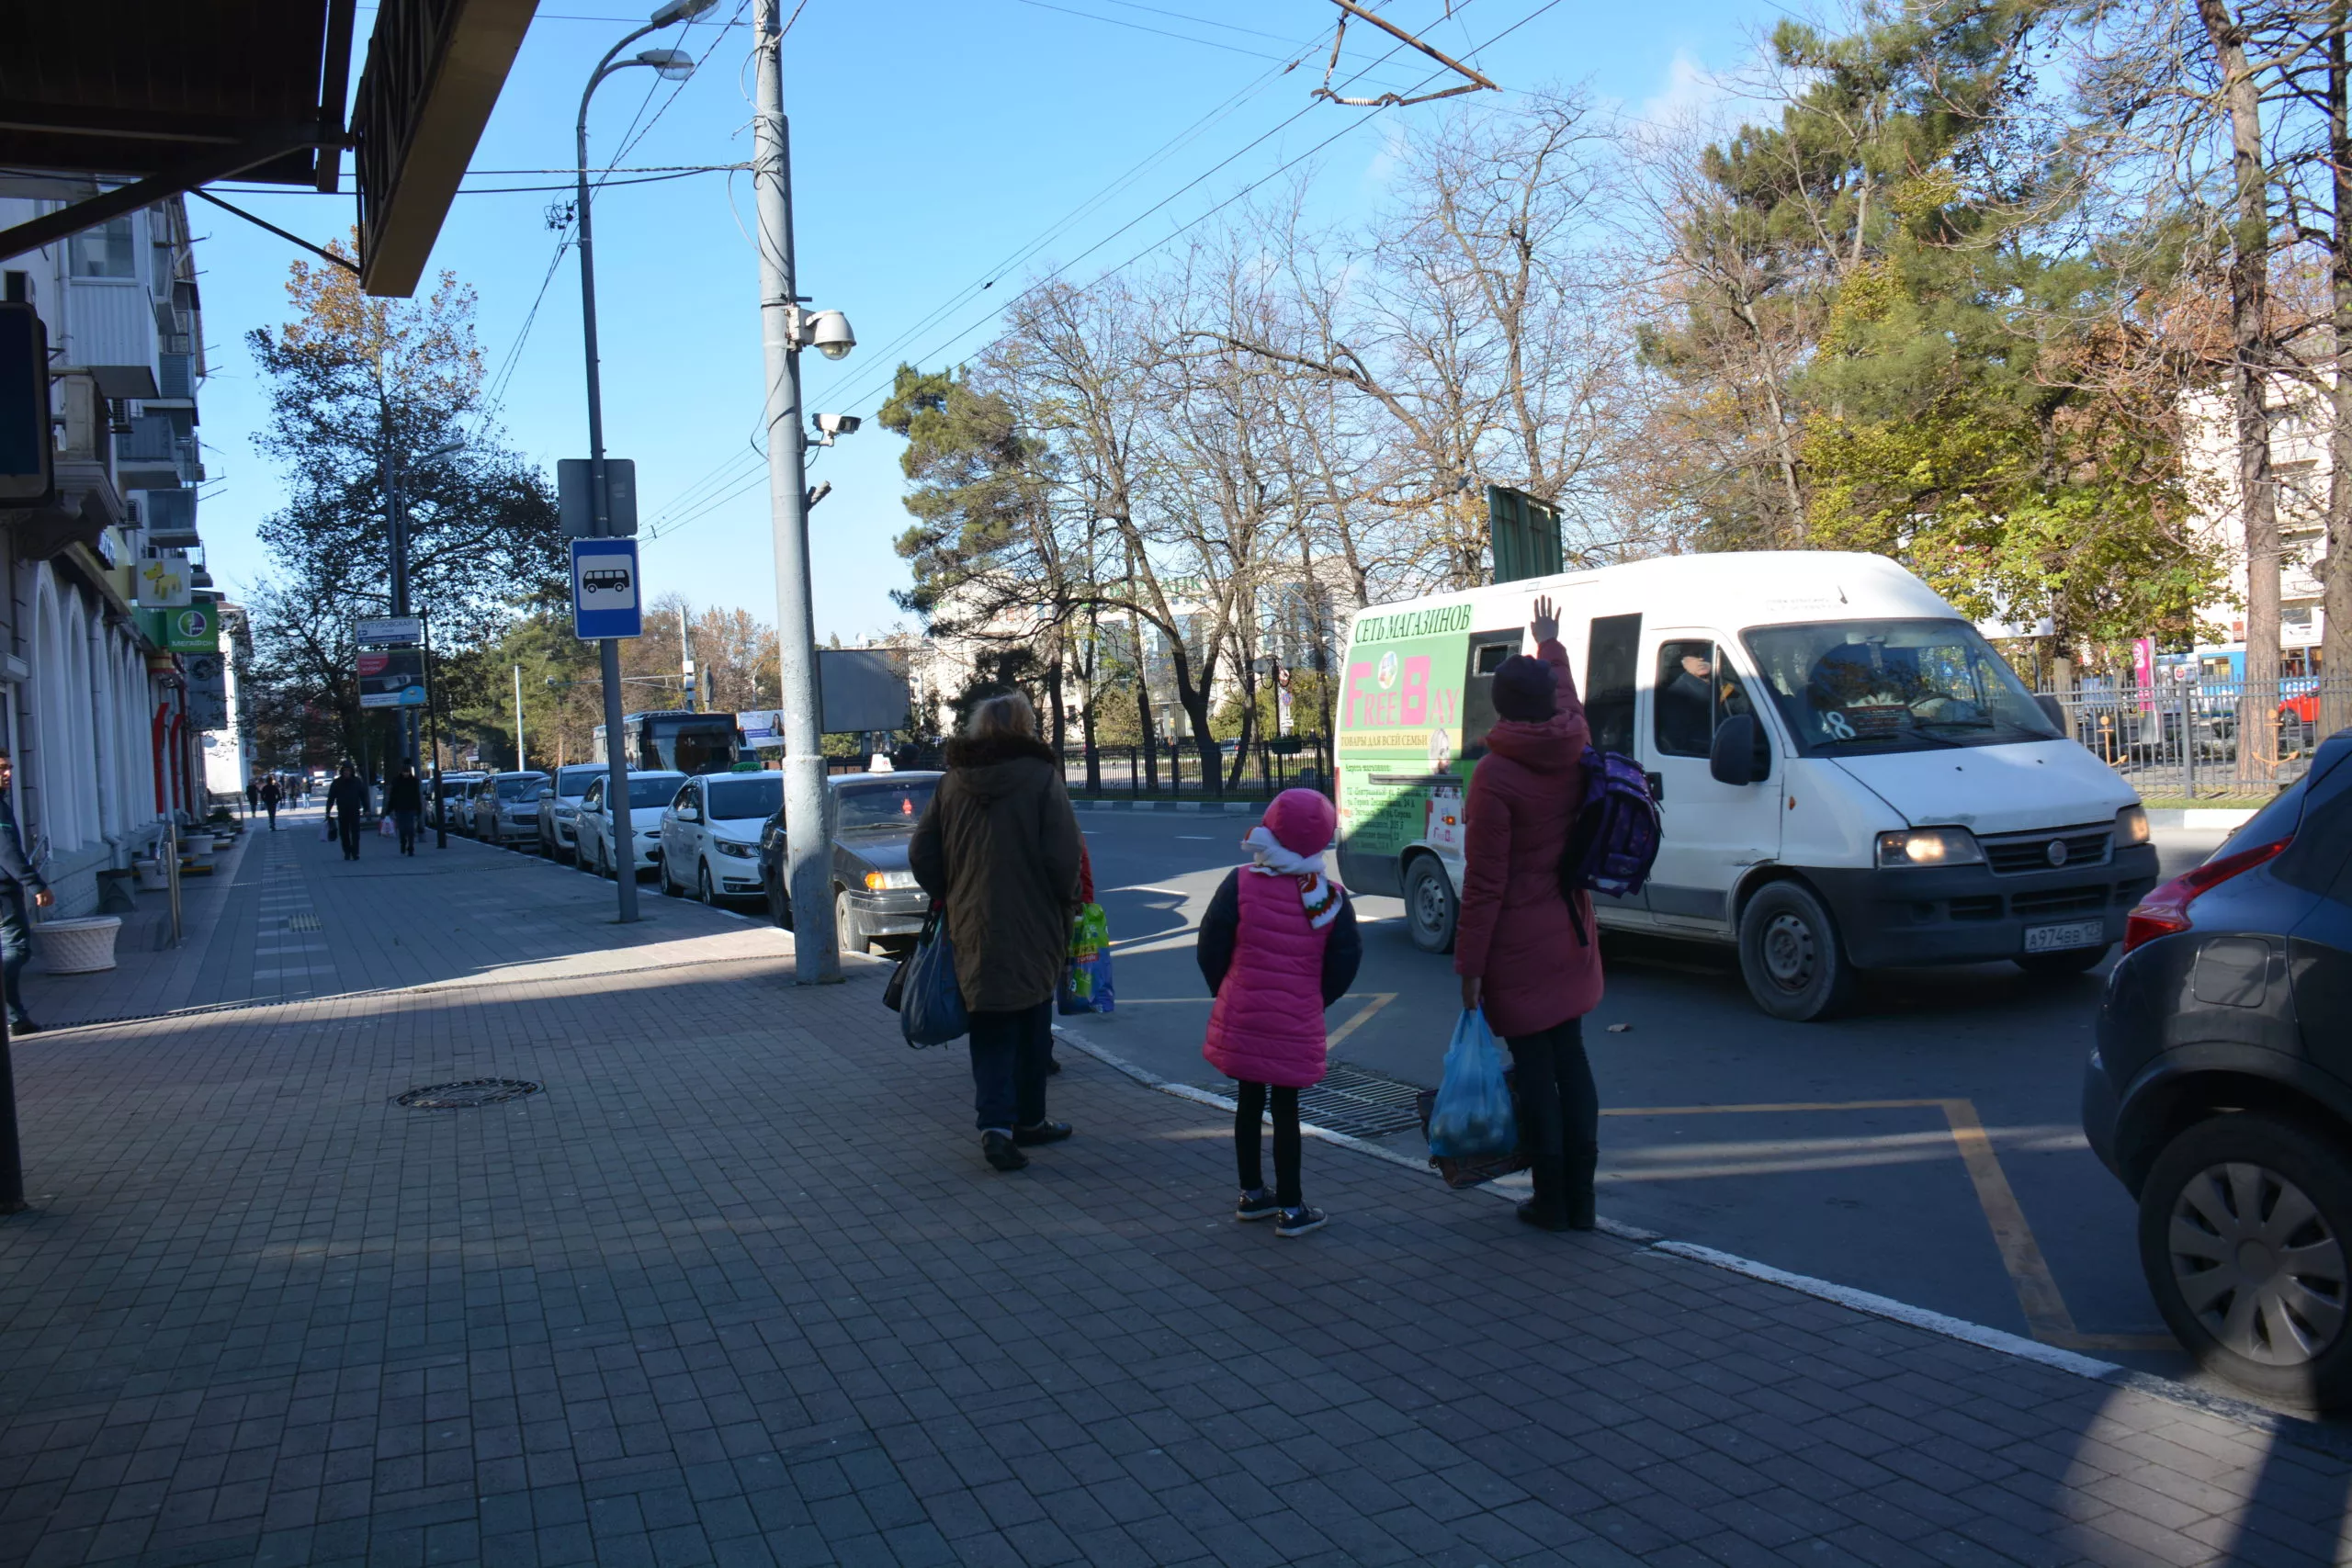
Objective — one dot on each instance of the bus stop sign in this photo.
(605, 598)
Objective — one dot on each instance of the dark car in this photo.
(2221, 1093)
(875, 896)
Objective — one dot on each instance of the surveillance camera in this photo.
(829, 333)
(836, 424)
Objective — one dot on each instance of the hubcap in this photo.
(1428, 904)
(1788, 952)
(2259, 1264)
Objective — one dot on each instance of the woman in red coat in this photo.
(1515, 945)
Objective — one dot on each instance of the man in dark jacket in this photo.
(404, 799)
(16, 875)
(347, 803)
(270, 796)
(999, 849)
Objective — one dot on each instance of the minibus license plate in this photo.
(2073, 933)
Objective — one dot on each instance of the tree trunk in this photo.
(2335, 570)
(2249, 333)
(1090, 680)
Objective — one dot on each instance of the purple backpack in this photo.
(1614, 838)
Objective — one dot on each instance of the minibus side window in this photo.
(1696, 692)
(1612, 660)
(1487, 651)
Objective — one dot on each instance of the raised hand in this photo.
(1546, 622)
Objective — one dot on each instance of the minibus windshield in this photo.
(1851, 688)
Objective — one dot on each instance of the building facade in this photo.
(109, 625)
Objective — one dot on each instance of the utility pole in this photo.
(816, 952)
(686, 660)
(521, 756)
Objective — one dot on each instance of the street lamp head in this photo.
(829, 333)
(673, 65)
(679, 11)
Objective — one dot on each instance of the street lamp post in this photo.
(396, 505)
(672, 63)
(785, 329)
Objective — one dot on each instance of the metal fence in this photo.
(1270, 765)
(2193, 740)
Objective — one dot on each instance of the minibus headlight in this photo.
(2132, 825)
(1930, 846)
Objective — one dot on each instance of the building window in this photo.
(104, 251)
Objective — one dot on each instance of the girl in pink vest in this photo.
(1278, 945)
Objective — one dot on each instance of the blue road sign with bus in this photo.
(605, 600)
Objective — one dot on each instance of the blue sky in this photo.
(931, 142)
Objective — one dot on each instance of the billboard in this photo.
(193, 629)
(392, 677)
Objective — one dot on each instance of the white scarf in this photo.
(1269, 857)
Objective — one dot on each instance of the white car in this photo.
(711, 835)
(559, 807)
(649, 795)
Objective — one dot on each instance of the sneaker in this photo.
(997, 1150)
(1299, 1220)
(1258, 1205)
(1043, 1132)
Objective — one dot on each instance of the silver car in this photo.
(711, 835)
(558, 808)
(648, 796)
(506, 806)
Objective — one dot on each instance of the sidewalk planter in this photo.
(81, 947)
(152, 876)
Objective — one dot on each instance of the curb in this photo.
(1224, 805)
(2200, 817)
(2306, 1434)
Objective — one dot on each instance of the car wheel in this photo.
(1790, 954)
(1430, 908)
(703, 889)
(845, 923)
(2246, 1226)
(778, 911)
(667, 890)
(2056, 966)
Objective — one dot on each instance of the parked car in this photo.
(875, 896)
(711, 835)
(558, 804)
(649, 795)
(2220, 1092)
(453, 801)
(506, 806)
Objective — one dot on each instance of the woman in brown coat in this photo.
(999, 849)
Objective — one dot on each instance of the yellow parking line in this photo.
(2045, 1308)
(1378, 999)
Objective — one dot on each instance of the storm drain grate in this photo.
(465, 1095)
(303, 923)
(1361, 1103)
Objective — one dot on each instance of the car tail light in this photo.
(2164, 911)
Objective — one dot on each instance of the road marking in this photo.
(1379, 999)
(1196, 838)
(2045, 1308)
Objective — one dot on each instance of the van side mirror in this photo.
(1739, 755)
(2054, 710)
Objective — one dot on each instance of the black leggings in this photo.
(1562, 1135)
(1246, 1116)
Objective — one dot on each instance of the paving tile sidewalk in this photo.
(735, 1288)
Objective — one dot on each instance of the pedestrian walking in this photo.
(999, 849)
(1277, 946)
(253, 795)
(270, 796)
(16, 876)
(405, 800)
(347, 803)
(1522, 956)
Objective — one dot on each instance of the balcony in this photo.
(170, 518)
(108, 321)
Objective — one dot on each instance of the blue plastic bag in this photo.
(931, 1009)
(1086, 974)
(1473, 1117)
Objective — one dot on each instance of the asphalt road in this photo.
(1926, 1146)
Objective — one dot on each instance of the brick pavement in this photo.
(735, 1288)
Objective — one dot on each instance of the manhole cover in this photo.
(465, 1095)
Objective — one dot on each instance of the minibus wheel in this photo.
(1429, 905)
(1790, 956)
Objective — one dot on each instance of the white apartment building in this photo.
(107, 605)
(2299, 457)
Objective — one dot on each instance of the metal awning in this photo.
(170, 98)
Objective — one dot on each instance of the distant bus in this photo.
(675, 740)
